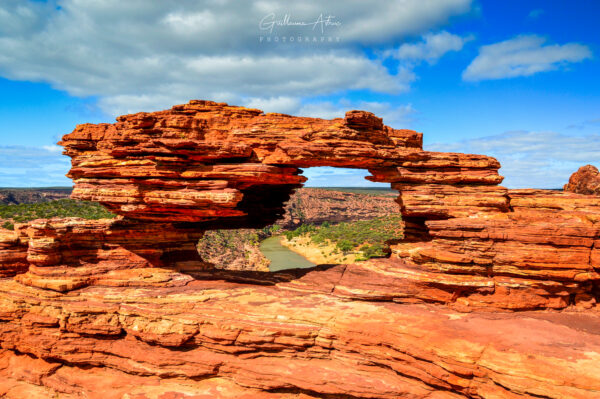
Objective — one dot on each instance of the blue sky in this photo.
(518, 80)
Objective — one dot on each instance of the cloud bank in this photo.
(22, 166)
(532, 159)
(139, 55)
(523, 56)
(431, 48)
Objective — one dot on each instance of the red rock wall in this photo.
(297, 335)
(70, 253)
(541, 254)
(13, 252)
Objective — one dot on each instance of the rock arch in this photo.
(207, 161)
(204, 165)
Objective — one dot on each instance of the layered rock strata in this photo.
(298, 334)
(65, 254)
(13, 252)
(207, 161)
(542, 254)
(126, 309)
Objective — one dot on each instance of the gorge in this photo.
(492, 293)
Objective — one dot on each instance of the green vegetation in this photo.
(218, 241)
(366, 236)
(270, 230)
(45, 210)
(303, 229)
(232, 249)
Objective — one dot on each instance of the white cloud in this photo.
(522, 56)
(53, 148)
(140, 55)
(281, 104)
(396, 116)
(22, 166)
(234, 78)
(532, 159)
(431, 48)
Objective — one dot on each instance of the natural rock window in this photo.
(202, 166)
(329, 225)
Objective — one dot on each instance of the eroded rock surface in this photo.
(69, 253)
(585, 181)
(295, 334)
(13, 252)
(492, 294)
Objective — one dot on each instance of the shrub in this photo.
(303, 229)
(58, 208)
(345, 246)
(367, 236)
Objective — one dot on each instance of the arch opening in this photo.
(336, 217)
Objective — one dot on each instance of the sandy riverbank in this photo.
(318, 254)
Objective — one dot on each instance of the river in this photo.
(281, 257)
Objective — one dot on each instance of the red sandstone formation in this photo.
(542, 254)
(295, 335)
(126, 309)
(13, 252)
(585, 181)
(206, 161)
(65, 254)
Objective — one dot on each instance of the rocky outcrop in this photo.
(585, 181)
(543, 253)
(127, 306)
(65, 254)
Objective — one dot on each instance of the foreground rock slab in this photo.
(291, 336)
